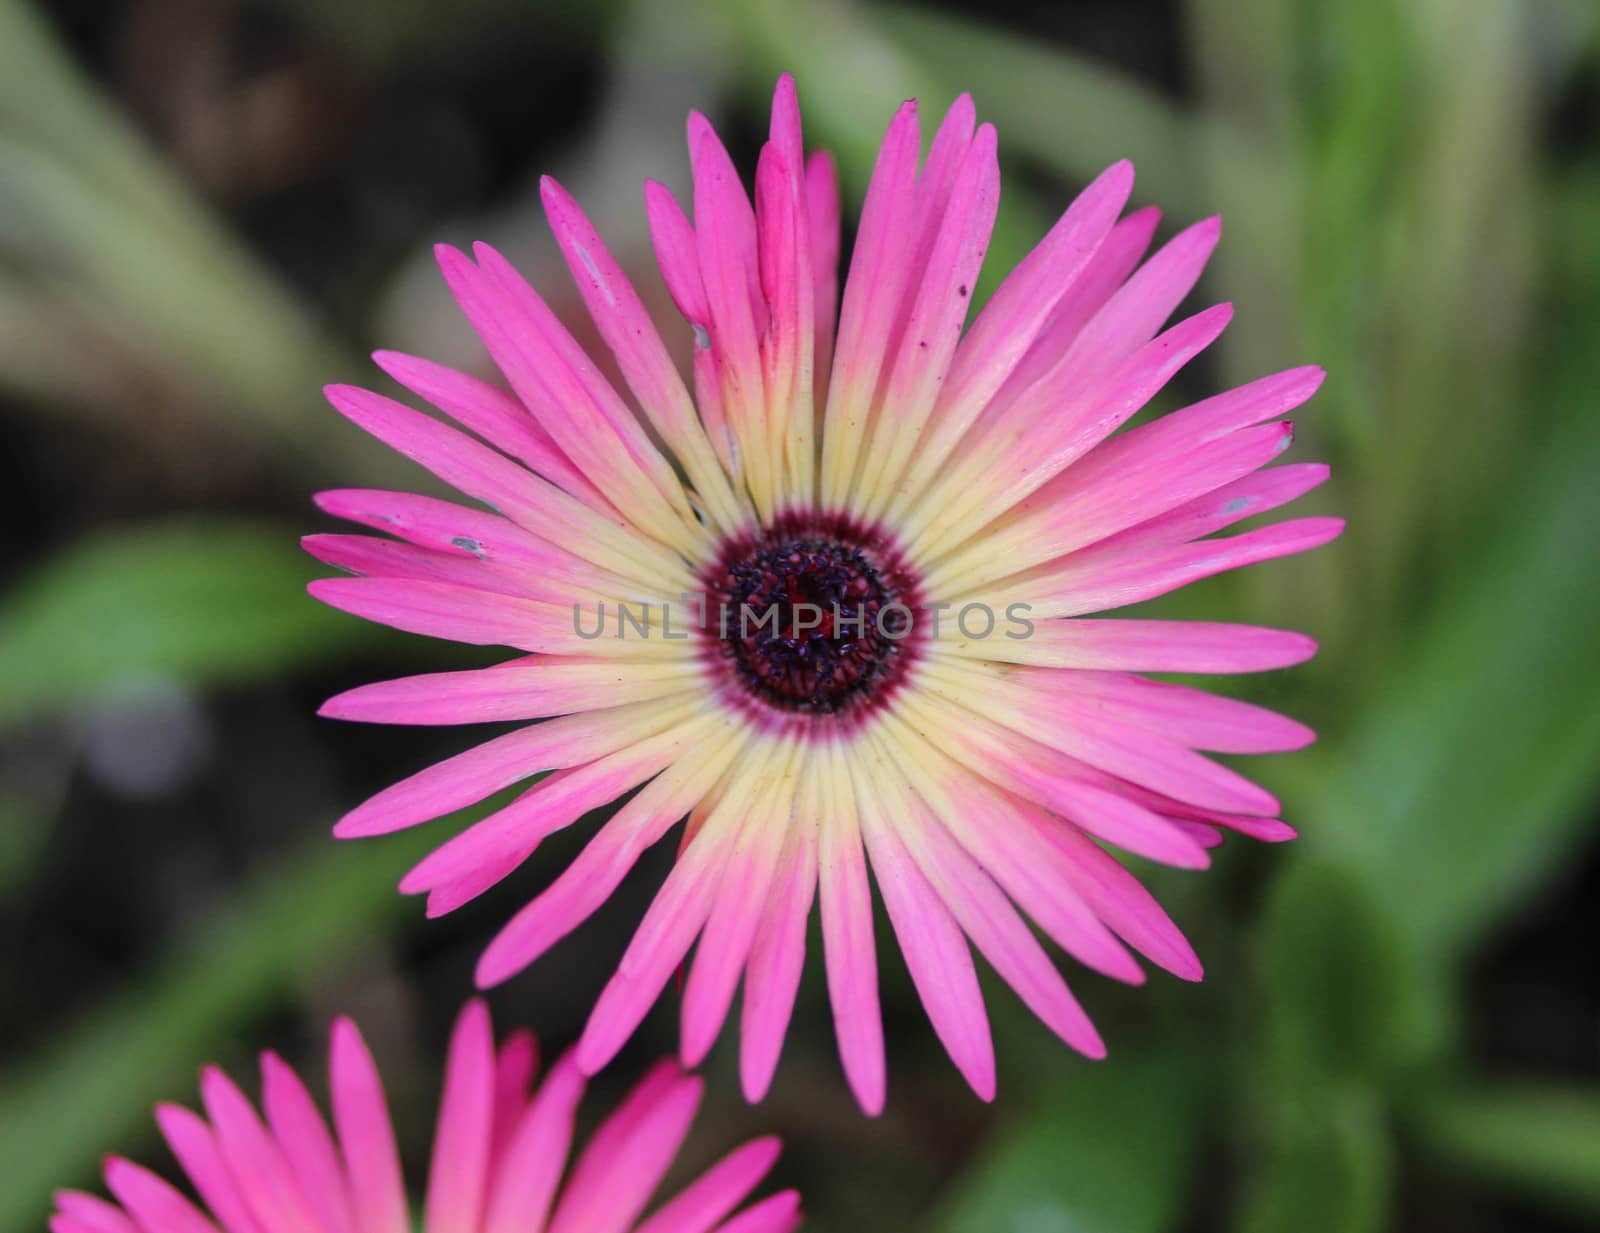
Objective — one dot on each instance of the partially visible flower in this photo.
(934, 515)
(499, 1155)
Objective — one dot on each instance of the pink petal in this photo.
(822, 208)
(500, 842)
(1096, 581)
(254, 1159)
(539, 689)
(730, 932)
(193, 1143)
(676, 915)
(627, 1158)
(152, 1202)
(992, 829)
(1000, 934)
(450, 611)
(530, 1169)
(87, 1213)
(772, 976)
(366, 1136)
(719, 1190)
(485, 769)
(851, 957)
(1141, 305)
(515, 1067)
(779, 1213)
(1191, 716)
(1153, 646)
(458, 1177)
(1011, 321)
(598, 870)
(497, 417)
(303, 1135)
(937, 956)
(1118, 899)
(677, 253)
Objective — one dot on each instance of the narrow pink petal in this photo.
(1077, 508)
(1000, 934)
(676, 253)
(676, 915)
(788, 349)
(1142, 305)
(937, 956)
(451, 611)
(1076, 304)
(779, 1213)
(990, 826)
(772, 976)
(1118, 820)
(254, 1159)
(1041, 434)
(483, 770)
(87, 1213)
(712, 1196)
(504, 839)
(1192, 717)
(625, 1161)
(366, 1136)
(445, 527)
(520, 689)
(726, 244)
(626, 327)
(309, 1147)
(458, 1177)
(822, 208)
(871, 297)
(1093, 581)
(1244, 498)
(196, 1149)
(1085, 731)
(462, 463)
(598, 870)
(515, 1066)
(368, 556)
(1006, 328)
(849, 952)
(154, 1203)
(529, 1172)
(1118, 899)
(552, 375)
(499, 418)
(939, 299)
(730, 932)
(1151, 646)
(1268, 398)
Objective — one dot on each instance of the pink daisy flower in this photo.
(928, 513)
(499, 1155)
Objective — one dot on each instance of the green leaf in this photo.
(1542, 1140)
(1333, 964)
(1108, 1153)
(1325, 1166)
(1466, 778)
(211, 602)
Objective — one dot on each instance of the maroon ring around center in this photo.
(815, 616)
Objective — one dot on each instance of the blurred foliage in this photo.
(1412, 199)
(207, 603)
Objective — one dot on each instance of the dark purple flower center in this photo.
(812, 622)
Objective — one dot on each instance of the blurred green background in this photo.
(208, 209)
